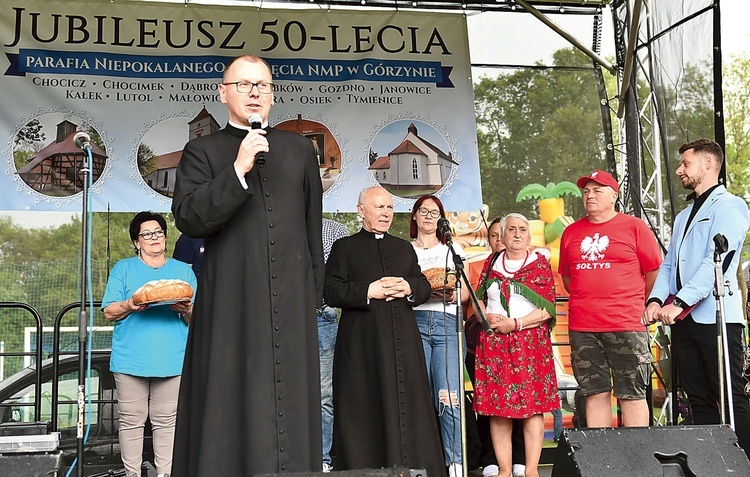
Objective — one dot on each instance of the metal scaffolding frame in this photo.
(640, 159)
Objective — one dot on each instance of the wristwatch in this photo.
(679, 303)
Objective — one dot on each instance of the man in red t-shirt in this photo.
(608, 263)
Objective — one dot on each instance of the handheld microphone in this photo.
(444, 229)
(82, 140)
(256, 122)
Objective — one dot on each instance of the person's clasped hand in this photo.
(500, 324)
(389, 288)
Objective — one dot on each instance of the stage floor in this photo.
(544, 471)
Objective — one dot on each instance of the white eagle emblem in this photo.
(593, 247)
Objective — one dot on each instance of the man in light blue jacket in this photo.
(687, 274)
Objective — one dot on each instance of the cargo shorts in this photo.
(605, 361)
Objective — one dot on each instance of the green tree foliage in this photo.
(737, 124)
(736, 87)
(690, 115)
(146, 159)
(538, 126)
(21, 157)
(96, 138)
(27, 142)
(11, 289)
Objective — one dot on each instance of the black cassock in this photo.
(383, 412)
(250, 395)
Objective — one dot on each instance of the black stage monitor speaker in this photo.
(674, 451)
(388, 472)
(41, 464)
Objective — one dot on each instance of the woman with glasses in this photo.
(436, 320)
(148, 344)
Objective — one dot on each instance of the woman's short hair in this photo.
(145, 216)
(417, 205)
(513, 215)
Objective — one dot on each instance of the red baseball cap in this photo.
(600, 177)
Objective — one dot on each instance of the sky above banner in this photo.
(386, 98)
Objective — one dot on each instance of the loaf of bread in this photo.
(436, 277)
(159, 291)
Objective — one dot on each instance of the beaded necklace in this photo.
(502, 262)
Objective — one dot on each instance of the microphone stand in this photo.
(722, 348)
(461, 276)
(82, 315)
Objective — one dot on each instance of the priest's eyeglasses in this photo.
(152, 235)
(435, 214)
(246, 87)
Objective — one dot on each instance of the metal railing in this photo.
(36, 354)
(57, 353)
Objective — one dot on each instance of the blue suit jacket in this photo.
(722, 213)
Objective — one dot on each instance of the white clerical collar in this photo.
(379, 236)
(245, 126)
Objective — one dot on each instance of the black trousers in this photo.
(695, 352)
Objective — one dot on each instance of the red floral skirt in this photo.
(515, 374)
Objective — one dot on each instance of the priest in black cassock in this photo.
(250, 396)
(383, 412)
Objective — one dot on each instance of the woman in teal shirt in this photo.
(148, 344)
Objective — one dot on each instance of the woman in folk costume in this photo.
(515, 372)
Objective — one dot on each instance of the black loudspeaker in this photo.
(31, 465)
(388, 472)
(676, 451)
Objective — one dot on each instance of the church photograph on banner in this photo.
(385, 98)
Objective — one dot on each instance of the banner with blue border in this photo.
(385, 98)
